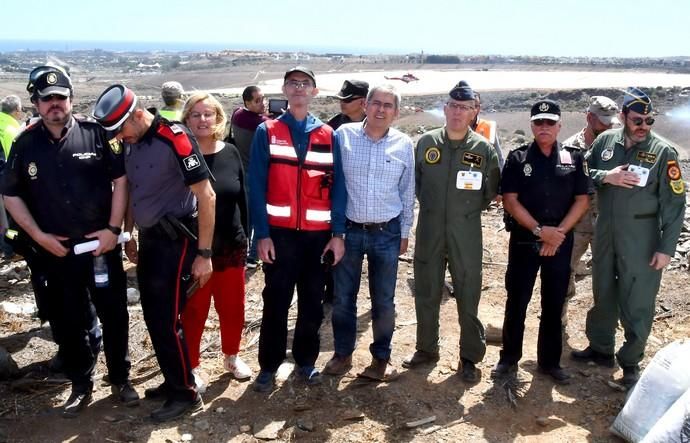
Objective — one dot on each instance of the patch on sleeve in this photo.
(585, 168)
(179, 139)
(191, 162)
(472, 159)
(432, 155)
(677, 186)
(115, 146)
(673, 170)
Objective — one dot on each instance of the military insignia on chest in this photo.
(115, 146)
(432, 155)
(646, 157)
(32, 170)
(472, 159)
(527, 170)
(607, 154)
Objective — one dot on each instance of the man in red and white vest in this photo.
(296, 184)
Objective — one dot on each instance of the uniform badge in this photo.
(432, 155)
(472, 159)
(176, 129)
(32, 170)
(191, 162)
(527, 170)
(677, 186)
(585, 168)
(544, 107)
(607, 154)
(647, 157)
(51, 78)
(673, 171)
(115, 146)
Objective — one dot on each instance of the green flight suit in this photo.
(449, 231)
(631, 226)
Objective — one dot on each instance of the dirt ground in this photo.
(342, 409)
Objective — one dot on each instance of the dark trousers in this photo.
(71, 281)
(163, 273)
(524, 262)
(297, 263)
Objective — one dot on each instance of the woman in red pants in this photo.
(204, 116)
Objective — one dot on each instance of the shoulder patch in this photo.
(115, 145)
(673, 170)
(178, 138)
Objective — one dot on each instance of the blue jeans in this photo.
(382, 247)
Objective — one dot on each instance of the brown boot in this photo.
(379, 370)
(338, 365)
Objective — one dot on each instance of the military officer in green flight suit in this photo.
(641, 208)
(457, 175)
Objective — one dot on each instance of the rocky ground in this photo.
(429, 404)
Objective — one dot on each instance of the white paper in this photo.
(92, 245)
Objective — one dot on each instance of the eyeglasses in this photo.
(206, 115)
(378, 104)
(637, 121)
(544, 121)
(459, 107)
(295, 84)
(51, 97)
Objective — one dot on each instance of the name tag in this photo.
(642, 174)
(469, 180)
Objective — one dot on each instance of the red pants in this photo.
(227, 288)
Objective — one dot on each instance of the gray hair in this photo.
(385, 88)
(10, 104)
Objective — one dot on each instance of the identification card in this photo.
(642, 174)
(469, 180)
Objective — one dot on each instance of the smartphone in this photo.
(277, 106)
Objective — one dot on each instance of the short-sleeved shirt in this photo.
(66, 184)
(546, 186)
(160, 168)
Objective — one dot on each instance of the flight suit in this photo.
(449, 231)
(632, 225)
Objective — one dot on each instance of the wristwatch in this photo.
(114, 229)
(340, 236)
(537, 231)
(205, 252)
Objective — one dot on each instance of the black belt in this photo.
(368, 226)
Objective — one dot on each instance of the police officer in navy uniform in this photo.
(167, 177)
(64, 185)
(545, 189)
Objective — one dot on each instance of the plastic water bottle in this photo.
(100, 271)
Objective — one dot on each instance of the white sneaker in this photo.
(201, 385)
(237, 367)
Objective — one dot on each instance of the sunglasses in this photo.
(544, 121)
(637, 121)
(51, 97)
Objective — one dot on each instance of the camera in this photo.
(277, 106)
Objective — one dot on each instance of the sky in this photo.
(605, 28)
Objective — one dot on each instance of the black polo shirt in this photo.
(66, 184)
(160, 169)
(546, 186)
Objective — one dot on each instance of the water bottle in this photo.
(100, 271)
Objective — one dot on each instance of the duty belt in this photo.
(173, 227)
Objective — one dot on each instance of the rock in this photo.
(8, 367)
(18, 308)
(245, 429)
(220, 410)
(615, 386)
(305, 425)
(542, 421)
(186, 437)
(132, 296)
(352, 414)
(202, 425)
(584, 373)
(301, 405)
(269, 431)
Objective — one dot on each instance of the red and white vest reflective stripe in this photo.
(487, 129)
(299, 196)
